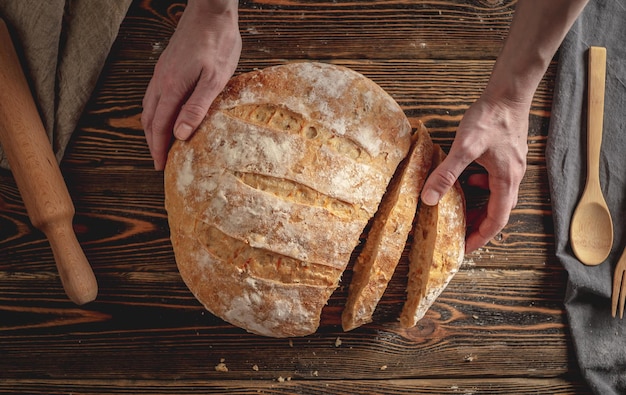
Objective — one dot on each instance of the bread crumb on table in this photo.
(337, 342)
(469, 358)
(221, 367)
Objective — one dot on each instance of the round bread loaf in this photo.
(267, 201)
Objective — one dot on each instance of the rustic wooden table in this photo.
(499, 327)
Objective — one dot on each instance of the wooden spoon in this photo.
(591, 230)
(37, 174)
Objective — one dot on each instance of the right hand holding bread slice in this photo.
(438, 244)
(437, 251)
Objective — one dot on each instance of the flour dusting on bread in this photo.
(185, 172)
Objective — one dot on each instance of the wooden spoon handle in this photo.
(38, 176)
(595, 116)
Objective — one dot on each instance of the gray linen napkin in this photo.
(599, 340)
(63, 45)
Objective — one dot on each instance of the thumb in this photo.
(194, 110)
(441, 179)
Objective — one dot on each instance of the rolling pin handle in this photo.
(76, 275)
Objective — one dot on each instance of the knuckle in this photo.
(161, 126)
(145, 101)
(446, 177)
(147, 128)
(469, 149)
(147, 122)
(192, 110)
(169, 86)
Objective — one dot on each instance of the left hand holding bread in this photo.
(199, 60)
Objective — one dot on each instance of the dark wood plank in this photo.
(287, 385)
(390, 29)
(486, 321)
(374, 29)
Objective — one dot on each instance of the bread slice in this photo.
(387, 238)
(268, 199)
(437, 251)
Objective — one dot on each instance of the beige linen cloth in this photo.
(63, 45)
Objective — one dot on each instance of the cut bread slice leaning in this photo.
(437, 251)
(387, 238)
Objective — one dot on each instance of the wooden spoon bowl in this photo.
(591, 231)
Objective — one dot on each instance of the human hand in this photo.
(494, 134)
(200, 58)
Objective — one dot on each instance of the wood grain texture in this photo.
(499, 327)
(287, 385)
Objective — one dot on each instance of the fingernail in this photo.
(430, 197)
(183, 131)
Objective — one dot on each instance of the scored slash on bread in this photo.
(387, 238)
(437, 251)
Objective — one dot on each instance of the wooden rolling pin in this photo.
(38, 176)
